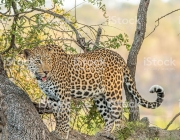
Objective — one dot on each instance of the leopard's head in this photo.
(39, 62)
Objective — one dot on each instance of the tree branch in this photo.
(159, 20)
(80, 40)
(172, 121)
(167, 14)
(5, 12)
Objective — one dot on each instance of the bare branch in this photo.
(167, 14)
(172, 121)
(75, 7)
(153, 30)
(75, 12)
(159, 20)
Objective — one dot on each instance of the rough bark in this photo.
(97, 38)
(3, 118)
(132, 57)
(155, 132)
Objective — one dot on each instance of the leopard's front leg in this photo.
(61, 112)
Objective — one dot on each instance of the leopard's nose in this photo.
(46, 72)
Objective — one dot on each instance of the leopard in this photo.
(98, 74)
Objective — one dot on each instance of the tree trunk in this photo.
(132, 58)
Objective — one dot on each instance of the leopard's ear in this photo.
(26, 53)
(50, 49)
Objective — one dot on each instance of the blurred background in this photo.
(159, 57)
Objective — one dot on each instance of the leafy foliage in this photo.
(117, 41)
(86, 118)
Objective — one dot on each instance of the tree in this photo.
(31, 25)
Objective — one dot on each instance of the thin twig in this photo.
(75, 7)
(159, 20)
(5, 12)
(172, 121)
(153, 30)
(75, 12)
(167, 14)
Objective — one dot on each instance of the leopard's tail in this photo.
(130, 86)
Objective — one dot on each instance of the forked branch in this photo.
(158, 21)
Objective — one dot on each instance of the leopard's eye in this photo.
(38, 61)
